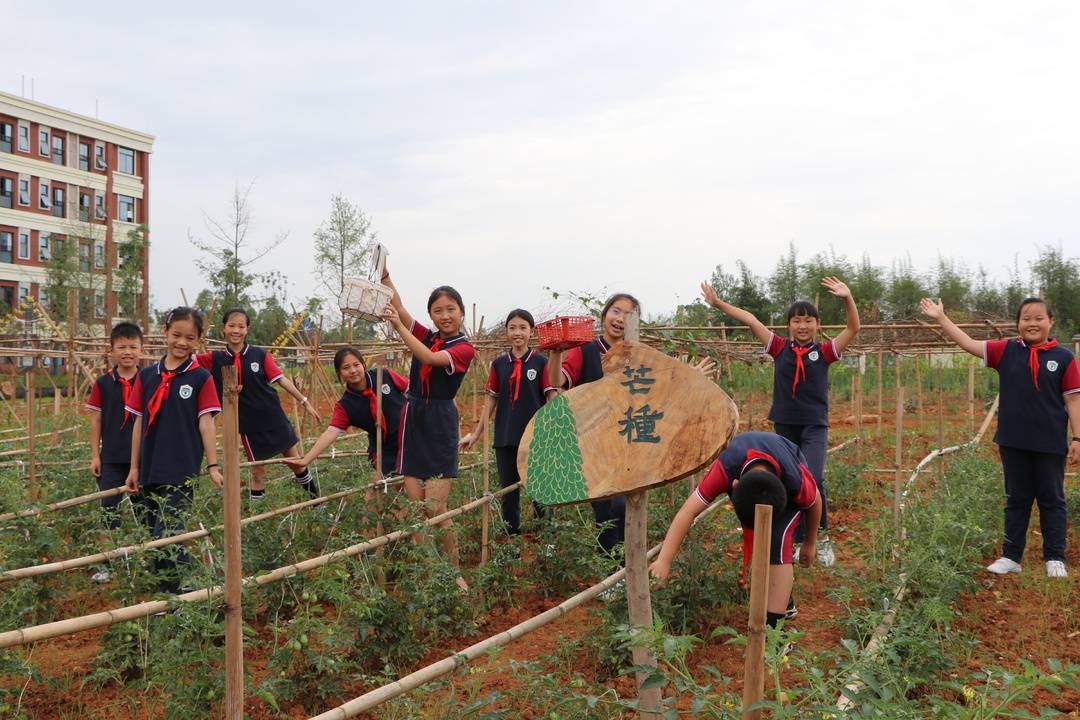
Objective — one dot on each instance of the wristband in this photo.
(212, 465)
(1076, 438)
(303, 401)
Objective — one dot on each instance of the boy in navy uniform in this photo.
(756, 467)
(517, 386)
(110, 427)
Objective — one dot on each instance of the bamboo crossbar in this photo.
(36, 633)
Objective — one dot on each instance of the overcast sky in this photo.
(502, 147)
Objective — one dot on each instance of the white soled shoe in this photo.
(1004, 566)
(1055, 568)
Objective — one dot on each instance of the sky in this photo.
(507, 148)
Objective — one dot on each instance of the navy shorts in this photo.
(265, 444)
(782, 548)
(429, 439)
(113, 475)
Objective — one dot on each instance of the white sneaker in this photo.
(1004, 566)
(104, 576)
(1055, 568)
(825, 554)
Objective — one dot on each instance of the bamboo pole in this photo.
(971, 396)
(62, 504)
(754, 671)
(859, 408)
(34, 492)
(36, 633)
(880, 395)
(379, 530)
(940, 418)
(918, 385)
(899, 481)
(234, 569)
(71, 360)
(485, 512)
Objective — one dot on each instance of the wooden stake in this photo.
(31, 450)
(898, 484)
(940, 419)
(918, 385)
(858, 409)
(72, 321)
(754, 672)
(971, 397)
(379, 530)
(234, 571)
(485, 511)
(880, 396)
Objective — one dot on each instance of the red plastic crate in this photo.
(563, 333)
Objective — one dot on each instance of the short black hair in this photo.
(1033, 301)
(519, 313)
(802, 307)
(616, 298)
(341, 354)
(125, 330)
(232, 311)
(758, 486)
(446, 291)
(184, 312)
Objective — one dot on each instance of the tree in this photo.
(341, 247)
(952, 285)
(906, 288)
(868, 288)
(1057, 280)
(131, 256)
(228, 256)
(987, 299)
(822, 265)
(784, 284)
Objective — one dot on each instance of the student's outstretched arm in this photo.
(395, 300)
(936, 311)
(419, 350)
(324, 441)
(209, 439)
(95, 444)
(555, 373)
(131, 483)
(746, 317)
(1072, 406)
(290, 388)
(809, 546)
(835, 286)
(680, 526)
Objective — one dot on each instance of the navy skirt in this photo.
(265, 444)
(429, 439)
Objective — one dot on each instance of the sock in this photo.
(257, 494)
(772, 618)
(308, 483)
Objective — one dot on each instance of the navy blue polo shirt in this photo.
(511, 416)
(805, 402)
(584, 363)
(258, 402)
(1031, 418)
(108, 397)
(783, 456)
(172, 448)
(443, 382)
(353, 409)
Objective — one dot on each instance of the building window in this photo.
(84, 257)
(43, 195)
(24, 191)
(125, 208)
(84, 206)
(24, 244)
(43, 297)
(126, 159)
(5, 246)
(58, 209)
(43, 142)
(58, 149)
(99, 304)
(5, 136)
(99, 254)
(99, 206)
(43, 252)
(99, 157)
(24, 137)
(84, 156)
(6, 192)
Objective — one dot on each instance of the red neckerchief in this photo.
(157, 400)
(125, 391)
(1033, 358)
(800, 368)
(515, 377)
(239, 369)
(373, 402)
(425, 370)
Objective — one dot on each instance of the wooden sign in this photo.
(650, 420)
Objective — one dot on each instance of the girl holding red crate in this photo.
(583, 364)
(517, 386)
(428, 447)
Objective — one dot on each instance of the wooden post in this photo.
(918, 385)
(940, 419)
(880, 396)
(858, 408)
(33, 491)
(72, 322)
(638, 600)
(898, 483)
(971, 397)
(485, 509)
(754, 672)
(234, 571)
(380, 574)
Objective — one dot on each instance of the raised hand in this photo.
(836, 286)
(932, 309)
(706, 365)
(390, 314)
(709, 294)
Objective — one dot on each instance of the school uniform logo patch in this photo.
(531, 373)
(185, 391)
(254, 367)
(1051, 365)
(386, 389)
(814, 356)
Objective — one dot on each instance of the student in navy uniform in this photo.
(517, 386)
(756, 468)
(1040, 399)
(174, 403)
(800, 406)
(110, 427)
(581, 365)
(358, 407)
(265, 431)
(428, 446)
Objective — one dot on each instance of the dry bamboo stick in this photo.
(234, 570)
(754, 670)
